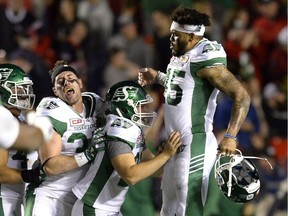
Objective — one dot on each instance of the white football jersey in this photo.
(75, 131)
(186, 93)
(102, 187)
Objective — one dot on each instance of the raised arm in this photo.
(148, 76)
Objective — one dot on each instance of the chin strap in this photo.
(119, 112)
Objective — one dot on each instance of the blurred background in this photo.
(109, 40)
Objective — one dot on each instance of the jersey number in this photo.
(79, 136)
(173, 92)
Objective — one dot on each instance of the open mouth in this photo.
(69, 91)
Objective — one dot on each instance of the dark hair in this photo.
(59, 67)
(189, 16)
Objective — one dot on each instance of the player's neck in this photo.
(78, 107)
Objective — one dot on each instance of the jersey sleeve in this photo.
(52, 108)
(210, 53)
(9, 128)
(115, 148)
(123, 130)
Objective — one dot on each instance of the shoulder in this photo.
(119, 128)
(48, 103)
(207, 50)
(90, 95)
(94, 103)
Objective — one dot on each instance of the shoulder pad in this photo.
(48, 103)
(122, 128)
(209, 53)
(94, 103)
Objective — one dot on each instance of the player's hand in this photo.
(36, 175)
(227, 146)
(147, 76)
(100, 120)
(42, 122)
(172, 144)
(97, 144)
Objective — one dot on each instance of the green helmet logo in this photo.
(15, 87)
(128, 99)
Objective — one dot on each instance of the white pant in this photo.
(78, 210)
(11, 206)
(49, 206)
(185, 177)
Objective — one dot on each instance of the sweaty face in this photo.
(178, 43)
(68, 87)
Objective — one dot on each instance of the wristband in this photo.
(160, 78)
(81, 159)
(226, 135)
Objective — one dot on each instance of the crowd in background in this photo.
(109, 40)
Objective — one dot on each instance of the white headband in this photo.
(195, 29)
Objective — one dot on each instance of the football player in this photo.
(16, 95)
(65, 158)
(120, 146)
(195, 74)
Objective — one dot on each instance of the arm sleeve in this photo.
(9, 127)
(116, 148)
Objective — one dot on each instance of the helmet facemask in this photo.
(21, 94)
(15, 88)
(141, 117)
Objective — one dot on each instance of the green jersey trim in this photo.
(201, 94)
(59, 127)
(100, 179)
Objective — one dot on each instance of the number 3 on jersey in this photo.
(173, 92)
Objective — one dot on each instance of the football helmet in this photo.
(15, 87)
(129, 99)
(237, 176)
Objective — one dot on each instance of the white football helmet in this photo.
(237, 176)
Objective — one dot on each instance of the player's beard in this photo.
(179, 48)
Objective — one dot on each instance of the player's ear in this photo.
(191, 36)
(55, 91)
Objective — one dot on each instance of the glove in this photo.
(97, 144)
(100, 120)
(42, 122)
(35, 175)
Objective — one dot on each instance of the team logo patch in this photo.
(76, 122)
(121, 123)
(48, 105)
(184, 59)
(140, 141)
(5, 73)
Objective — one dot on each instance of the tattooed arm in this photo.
(226, 82)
